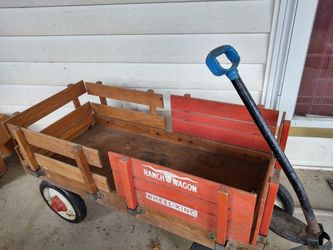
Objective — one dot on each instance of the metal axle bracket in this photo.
(136, 211)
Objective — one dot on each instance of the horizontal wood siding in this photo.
(53, 3)
(130, 48)
(160, 18)
(135, 75)
(139, 44)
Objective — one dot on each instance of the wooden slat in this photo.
(102, 99)
(147, 49)
(221, 134)
(222, 217)
(61, 147)
(82, 163)
(152, 106)
(147, 119)
(218, 121)
(76, 100)
(122, 94)
(25, 148)
(70, 124)
(269, 205)
(127, 182)
(38, 111)
(261, 201)
(221, 109)
(70, 171)
(159, 18)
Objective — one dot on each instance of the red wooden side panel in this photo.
(274, 181)
(225, 122)
(189, 198)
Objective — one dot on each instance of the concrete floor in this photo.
(27, 223)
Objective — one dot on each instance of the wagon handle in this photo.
(315, 231)
(215, 66)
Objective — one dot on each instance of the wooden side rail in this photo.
(42, 109)
(32, 143)
(152, 120)
(149, 98)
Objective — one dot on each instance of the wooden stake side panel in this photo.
(54, 167)
(61, 147)
(223, 122)
(122, 94)
(47, 106)
(186, 197)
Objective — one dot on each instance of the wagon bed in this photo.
(219, 167)
(212, 179)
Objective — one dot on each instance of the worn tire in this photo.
(286, 199)
(67, 205)
(197, 246)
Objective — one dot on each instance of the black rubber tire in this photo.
(75, 200)
(197, 246)
(286, 200)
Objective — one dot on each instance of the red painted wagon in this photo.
(212, 179)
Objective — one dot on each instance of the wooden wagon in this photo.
(212, 179)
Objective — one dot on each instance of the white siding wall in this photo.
(133, 43)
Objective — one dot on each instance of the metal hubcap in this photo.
(59, 204)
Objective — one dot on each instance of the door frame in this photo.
(290, 38)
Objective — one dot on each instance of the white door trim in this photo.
(283, 19)
(289, 43)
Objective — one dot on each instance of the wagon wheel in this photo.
(65, 204)
(284, 200)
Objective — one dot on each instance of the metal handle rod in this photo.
(251, 106)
